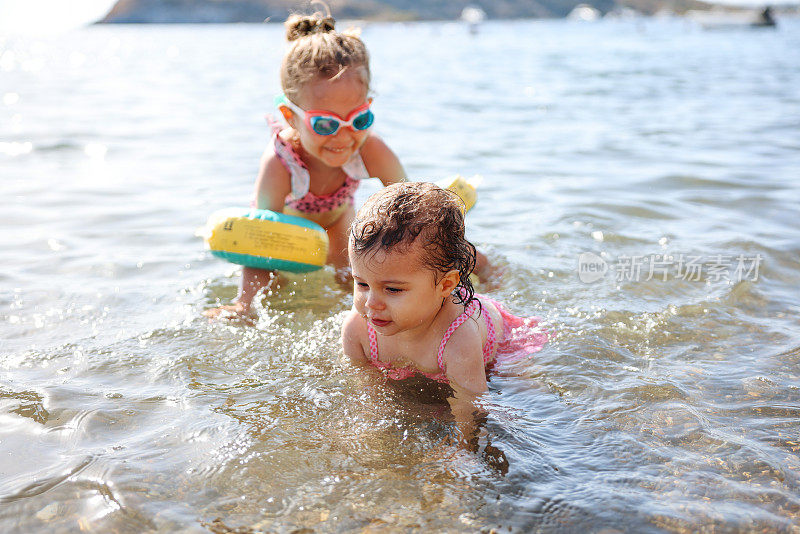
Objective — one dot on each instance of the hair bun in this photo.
(298, 26)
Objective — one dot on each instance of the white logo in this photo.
(591, 267)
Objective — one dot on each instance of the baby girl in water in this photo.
(415, 311)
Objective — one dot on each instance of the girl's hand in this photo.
(344, 277)
(354, 337)
(487, 273)
(236, 311)
(471, 419)
(253, 281)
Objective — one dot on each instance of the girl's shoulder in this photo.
(286, 145)
(273, 166)
(487, 305)
(480, 305)
(466, 334)
(462, 356)
(470, 333)
(353, 322)
(287, 136)
(489, 311)
(273, 182)
(354, 336)
(460, 327)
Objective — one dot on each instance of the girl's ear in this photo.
(449, 282)
(287, 114)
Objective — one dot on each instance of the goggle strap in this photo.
(280, 100)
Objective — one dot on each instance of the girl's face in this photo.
(340, 96)
(395, 292)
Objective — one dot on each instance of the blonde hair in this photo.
(317, 50)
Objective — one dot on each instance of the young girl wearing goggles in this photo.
(313, 166)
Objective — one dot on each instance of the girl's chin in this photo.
(336, 158)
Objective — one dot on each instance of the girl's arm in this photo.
(354, 331)
(272, 185)
(466, 372)
(484, 268)
(381, 162)
(471, 421)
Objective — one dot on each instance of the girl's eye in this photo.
(393, 290)
(362, 285)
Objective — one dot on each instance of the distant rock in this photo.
(193, 11)
(220, 11)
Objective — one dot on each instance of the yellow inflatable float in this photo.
(467, 190)
(264, 239)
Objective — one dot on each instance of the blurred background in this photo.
(44, 15)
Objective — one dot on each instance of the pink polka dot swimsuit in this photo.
(400, 373)
(520, 338)
(301, 198)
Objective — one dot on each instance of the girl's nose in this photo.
(373, 301)
(344, 133)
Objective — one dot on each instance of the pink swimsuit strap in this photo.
(491, 338)
(400, 373)
(395, 373)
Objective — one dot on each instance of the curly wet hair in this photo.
(409, 212)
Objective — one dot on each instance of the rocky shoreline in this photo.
(226, 11)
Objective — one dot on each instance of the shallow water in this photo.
(668, 401)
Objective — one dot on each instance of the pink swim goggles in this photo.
(327, 122)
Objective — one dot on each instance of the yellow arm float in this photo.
(465, 189)
(266, 239)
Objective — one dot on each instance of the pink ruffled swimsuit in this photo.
(520, 338)
(301, 198)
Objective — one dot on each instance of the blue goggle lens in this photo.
(364, 121)
(330, 125)
(324, 125)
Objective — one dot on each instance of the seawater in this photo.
(640, 191)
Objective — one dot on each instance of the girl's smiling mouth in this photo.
(379, 322)
(337, 149)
